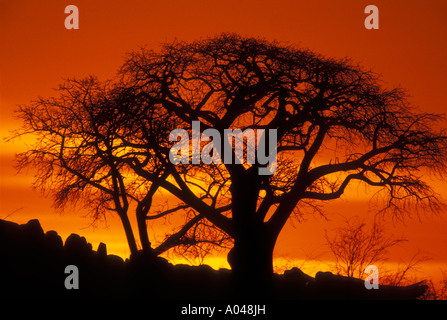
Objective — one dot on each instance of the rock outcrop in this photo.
(32, 265)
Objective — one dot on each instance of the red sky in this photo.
(37, 53)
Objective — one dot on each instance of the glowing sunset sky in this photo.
(37, 53)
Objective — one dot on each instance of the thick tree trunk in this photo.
(251, 258)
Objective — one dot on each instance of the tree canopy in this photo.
(107, 143)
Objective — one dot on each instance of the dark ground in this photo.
(32, 266)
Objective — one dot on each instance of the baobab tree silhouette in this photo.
(106, 143)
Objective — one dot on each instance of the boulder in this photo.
(102, 250)
(53, 241)
(329, 285)
(77, 248)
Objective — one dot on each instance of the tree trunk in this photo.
(129, 234)
(251, 258)
(144, 237)
(251, 261)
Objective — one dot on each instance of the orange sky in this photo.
(37, 52)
